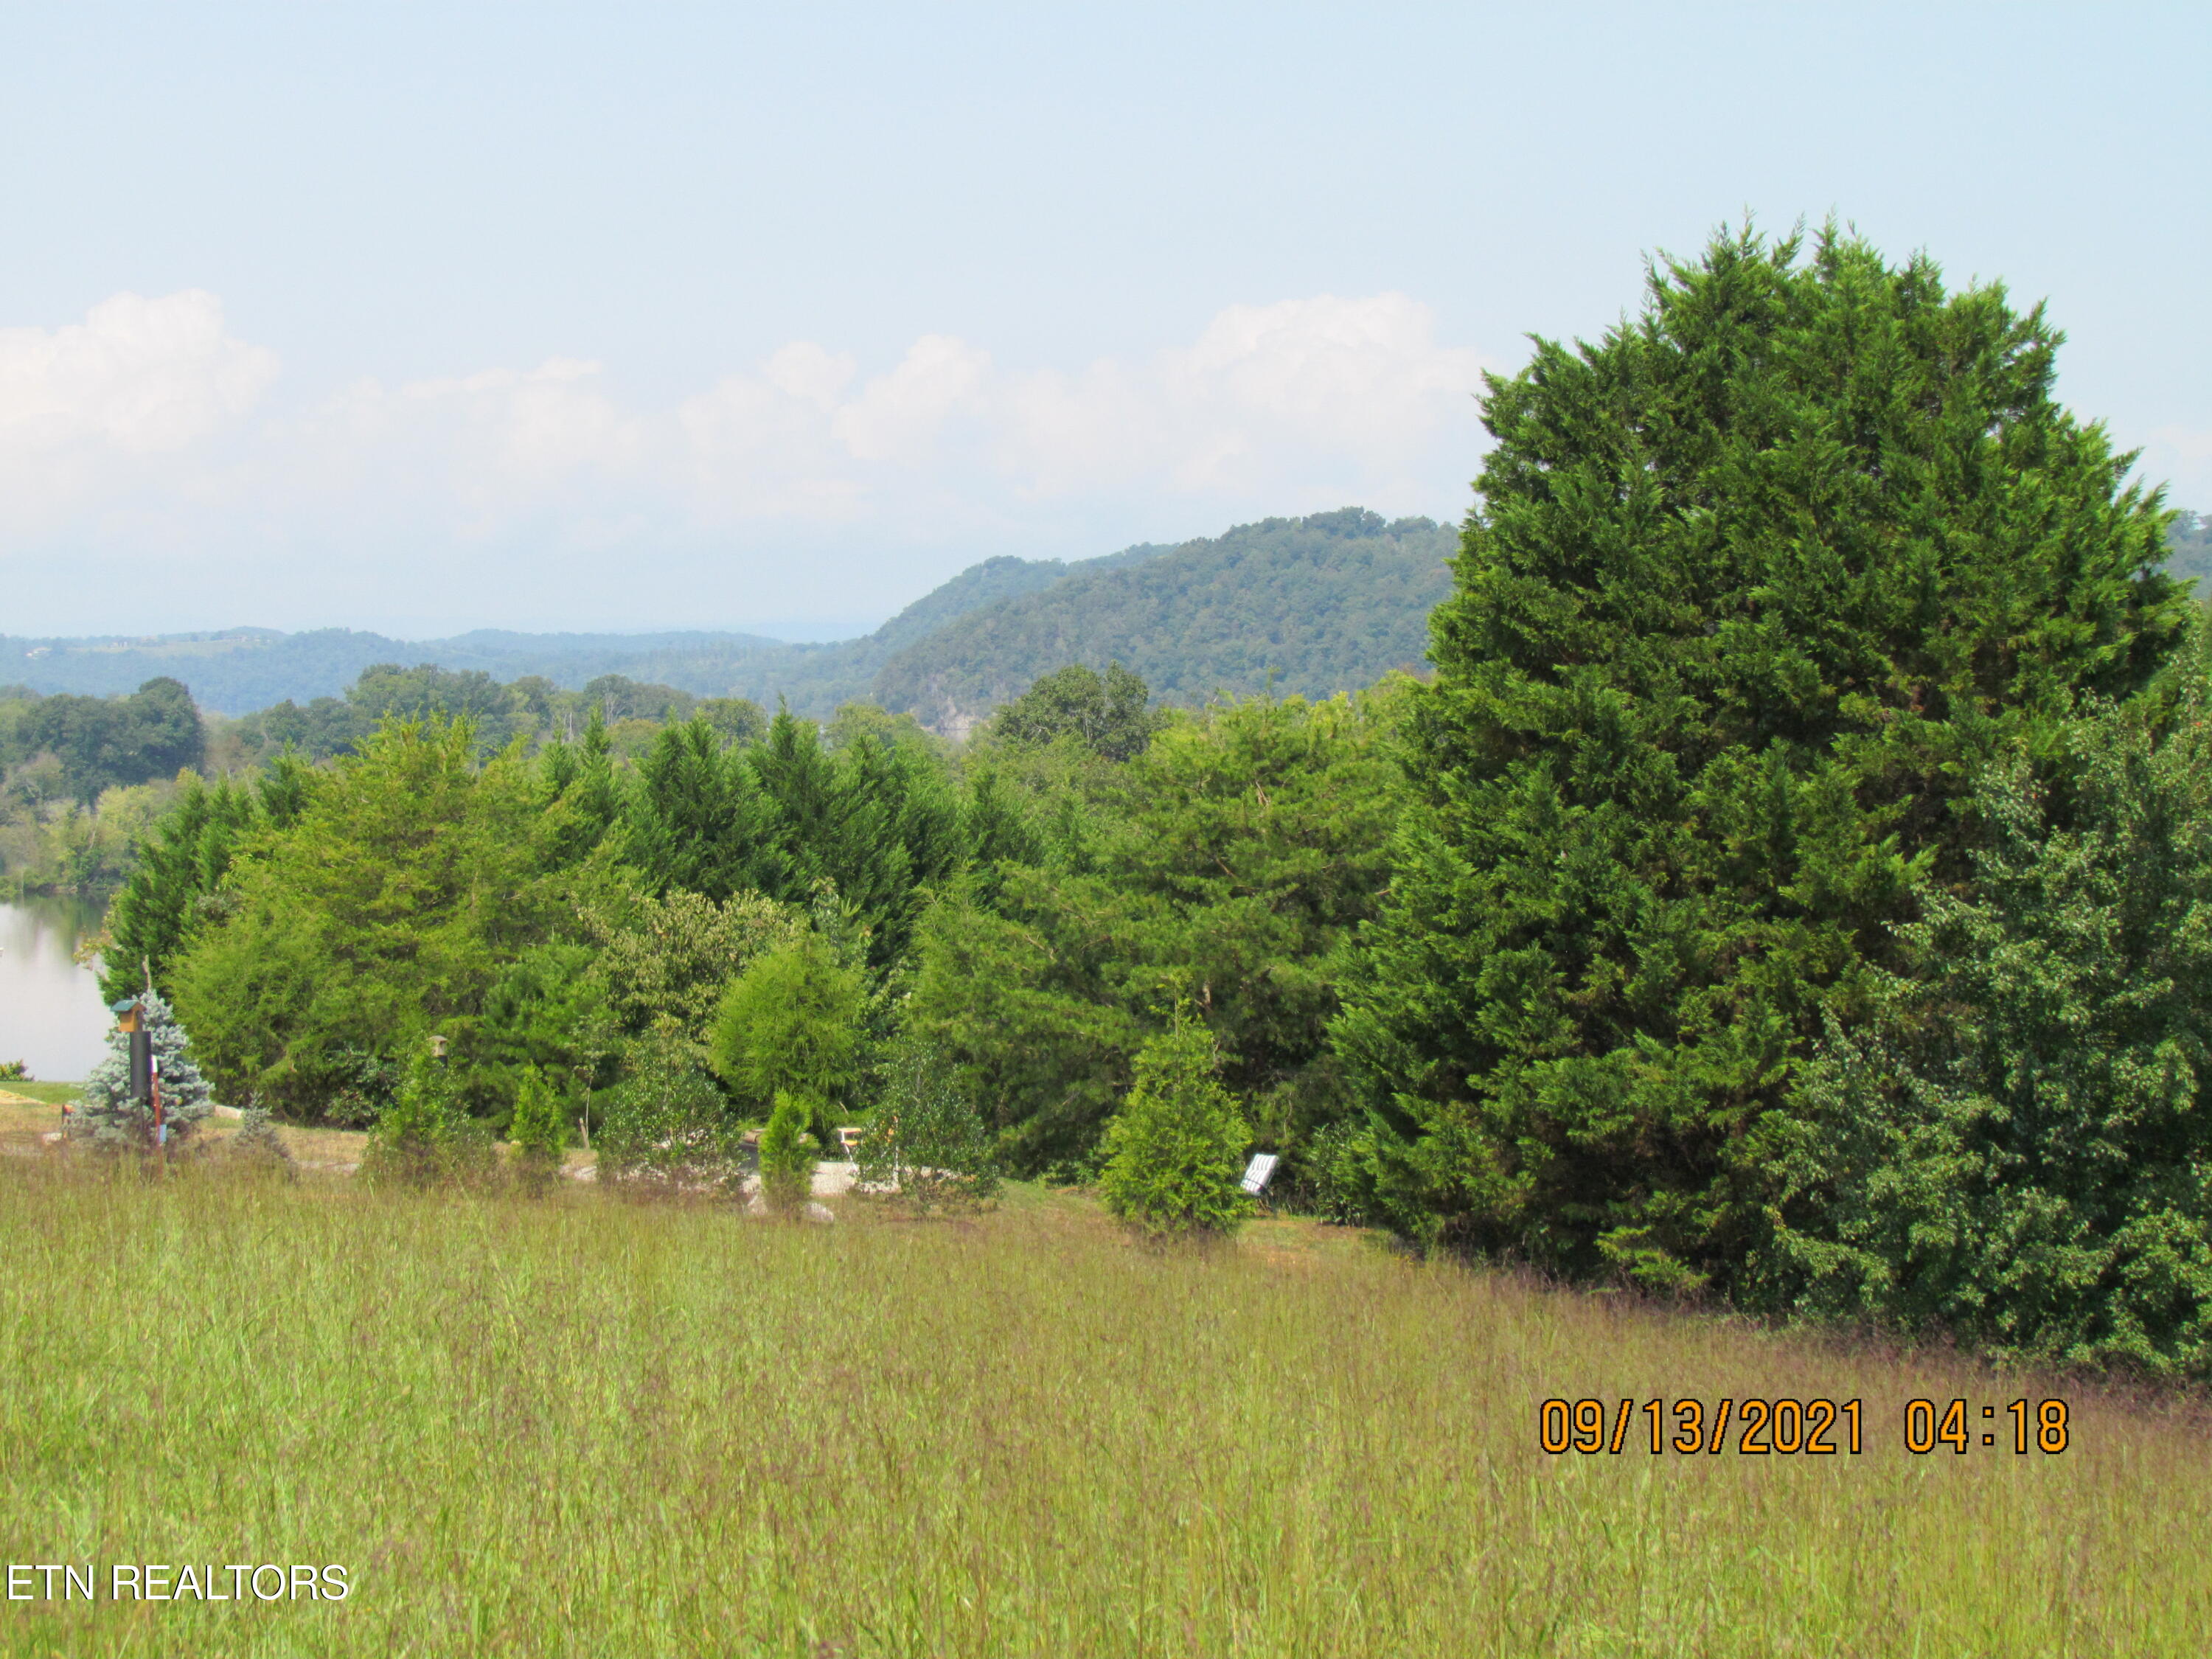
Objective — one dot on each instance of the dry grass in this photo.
(34, 1110)
(579, 1426)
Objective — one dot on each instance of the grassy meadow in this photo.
(579, 1425)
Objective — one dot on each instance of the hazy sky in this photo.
(539, 316)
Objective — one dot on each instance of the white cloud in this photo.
(104, 421)
(899, 416)
(131, 432)
(142, 375)
(759, 447)
(1264, 392)
(491, 446)
(803, 369)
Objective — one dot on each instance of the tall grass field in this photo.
(579, 1426)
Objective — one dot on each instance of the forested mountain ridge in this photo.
(1311, 606)
(995, 581)
(1325, 603)
(234, 670)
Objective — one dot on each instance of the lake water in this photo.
(52, 1018)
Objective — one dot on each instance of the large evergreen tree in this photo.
(1754, 580)
(878, 819)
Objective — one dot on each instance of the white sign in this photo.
(1257, 1173)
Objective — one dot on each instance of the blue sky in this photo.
(427, 318)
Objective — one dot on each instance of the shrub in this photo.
(1175, 1151)
(667, 1128)
(13, 1070)
(538, 1130)
(1339, 1171)
(424, 1138)
(928, 1146)
(788, 1154)
(790, 1024)
(258, 1144)
(367, 1083)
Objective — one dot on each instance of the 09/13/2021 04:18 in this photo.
(1813, 1428)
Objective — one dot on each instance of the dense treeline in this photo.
(532, 707)
(1032, 906)
(81, 778)
(92, 743)
(234, 670)
(1226, 863)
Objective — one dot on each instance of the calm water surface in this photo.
(51, 1015)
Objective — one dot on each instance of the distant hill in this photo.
(1311, 606)
(1316, 604)
(238, 669)
(241, 669)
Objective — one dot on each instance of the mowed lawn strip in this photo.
(578, 1424)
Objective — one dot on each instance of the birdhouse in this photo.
(130, 1019)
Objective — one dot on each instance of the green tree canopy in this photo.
(417, 891)
(1106, 714)
(181, 867)
(1755, 580)
(103, 742)
(386, 691)
(1229, 862)
(698, 820)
